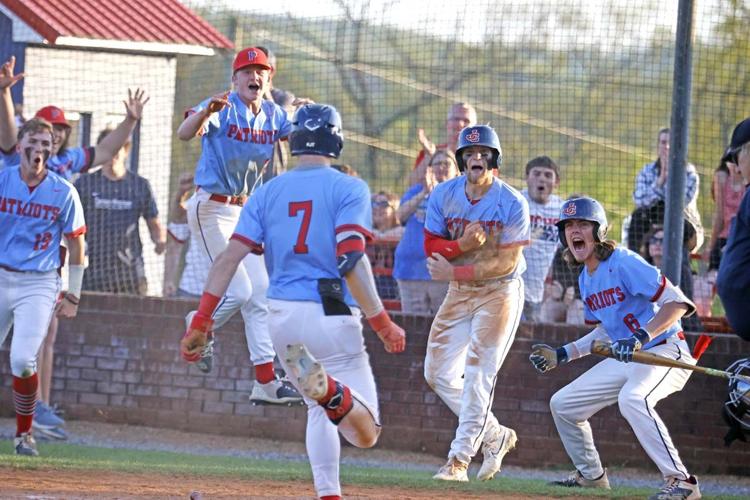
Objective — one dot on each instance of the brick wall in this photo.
(119, 363)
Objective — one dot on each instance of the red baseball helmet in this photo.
(53, 114)
(251, 56)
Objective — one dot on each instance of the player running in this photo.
(238, 130)
(311, 225)
(37, 208)
(475, 231)
(635, 307)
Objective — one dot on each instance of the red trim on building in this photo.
(164, 21)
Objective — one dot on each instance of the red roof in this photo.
(156, 21)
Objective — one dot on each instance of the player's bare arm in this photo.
(68, 307)
(8, 129)
(116, 139)
(158, 235)
(501, 262)
(193, 123)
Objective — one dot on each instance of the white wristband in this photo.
(75, 279)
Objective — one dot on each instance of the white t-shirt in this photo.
(544, 241)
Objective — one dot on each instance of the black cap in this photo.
(740, 136)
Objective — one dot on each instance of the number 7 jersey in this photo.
(294, 221)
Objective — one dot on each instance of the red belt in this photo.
(680, 336)
(230, 200)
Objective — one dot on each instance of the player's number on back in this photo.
(42, 241)
(295, 207)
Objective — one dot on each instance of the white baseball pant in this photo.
(469, 340)
(211, 225)
(338, 344)
(27, 302)
(636, 388)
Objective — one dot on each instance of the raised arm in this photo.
(116, 139)
(8, 129)
(194, 122)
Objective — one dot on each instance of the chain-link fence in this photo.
(587, 84)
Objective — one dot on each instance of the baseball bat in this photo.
(603, 348)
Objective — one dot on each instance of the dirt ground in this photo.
(49, 484)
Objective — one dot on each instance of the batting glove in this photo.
(546, 358)
(196, 337)
(392, 335)
(623, 349)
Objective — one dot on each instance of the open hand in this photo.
(135, 103)
(7, 78)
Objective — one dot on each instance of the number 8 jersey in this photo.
(621, 294)
(34, 220)
(294, 220)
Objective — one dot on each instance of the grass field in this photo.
(86, 461)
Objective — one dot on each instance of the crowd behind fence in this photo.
(579, 93)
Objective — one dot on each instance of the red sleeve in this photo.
(78, 232)
(436, 244)
(254, 247)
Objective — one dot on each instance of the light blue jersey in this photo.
(502, 211)
(294, 220)
(236, 144)
(66, 163)
(34, 220)
(621, 295)
(409, 261)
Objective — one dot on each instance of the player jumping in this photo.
(635, 307)
(37, 209)
(311, 225)
(475, 231)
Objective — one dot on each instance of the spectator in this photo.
(419, 293)
(733, 280)
(64, 161)
(195, 272)
(113, 199)
(726, 190)
(542, 178)
(385, 223)
(653, 243)
(460, 115)
(649, 197)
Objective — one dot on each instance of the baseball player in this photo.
(475, 231)
(636, 308)
(37, 208)
(238, 130)
(65, 161)
(311, 224)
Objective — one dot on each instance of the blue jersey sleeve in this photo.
(80, 159)
(354, 211)
(249, 229)
(517, 230)
(434, 220)
(641, 278)
(411, 193)
(71, 216)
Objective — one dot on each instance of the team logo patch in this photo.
(312, 124)
(473, 136)
(251, 55)
(570, 209)
(55, 113)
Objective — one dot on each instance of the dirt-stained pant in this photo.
(27, 300)
(337, 343)
(211, 225)
(469, 339)
(636, 388)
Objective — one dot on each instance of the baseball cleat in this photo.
(576, 480)
(276, 392)
(494, 450)
(45, 417)
(453, 470)
(311, 376)
(678, 489)
(206, 361)
(25, 445)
